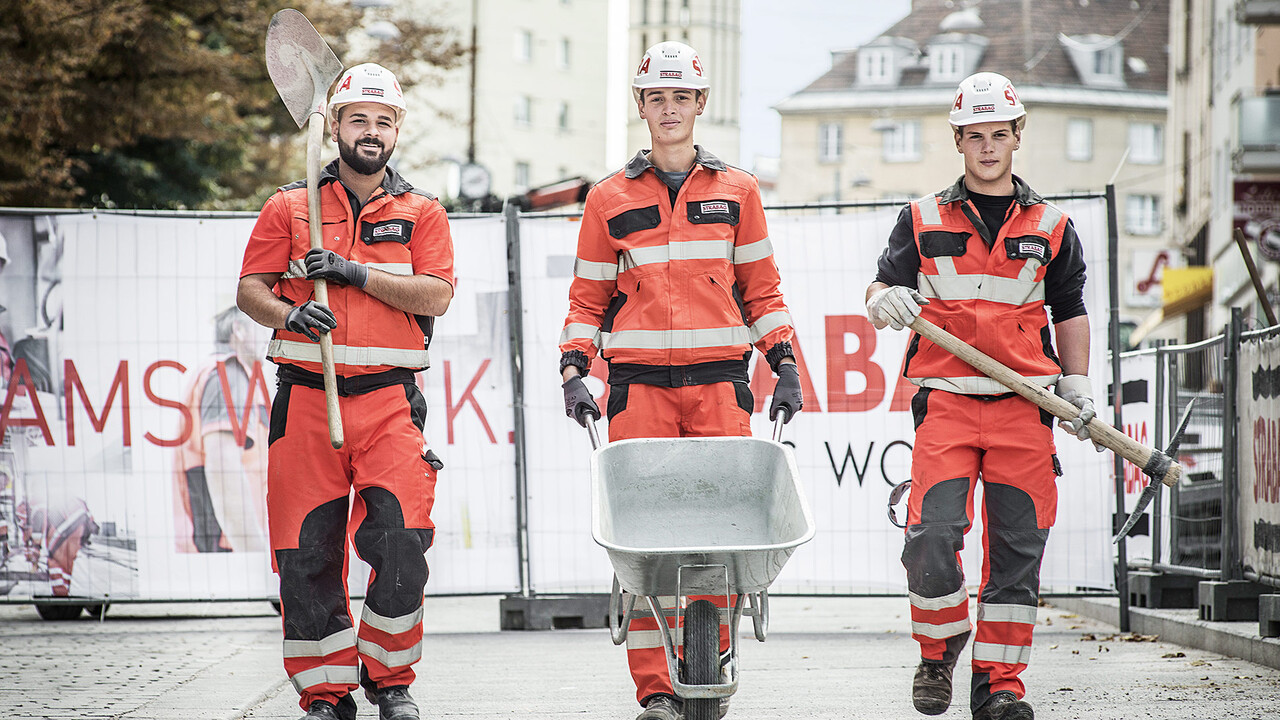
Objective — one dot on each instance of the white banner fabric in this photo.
(1258, 402)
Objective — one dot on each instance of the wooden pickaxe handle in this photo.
(1152, 461)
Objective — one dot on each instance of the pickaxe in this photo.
(302, 67)
(1160, 466)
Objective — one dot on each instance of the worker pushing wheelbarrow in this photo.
(704, 516)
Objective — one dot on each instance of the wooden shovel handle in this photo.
(1105, 435)
(315, 134)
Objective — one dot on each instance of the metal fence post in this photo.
(1162, 419)
(1117, 397)
(515, 325)
(1231, 566)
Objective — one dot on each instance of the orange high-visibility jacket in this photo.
(657, 285)
(990, 297)
(400, 230)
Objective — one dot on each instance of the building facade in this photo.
(1092, 75)
(1224, 132)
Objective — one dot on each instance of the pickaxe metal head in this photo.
(1153, 488)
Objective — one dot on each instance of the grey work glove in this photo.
(1077, 390)
(787, 396)
(329, 265)
(578, 403)
(310, 318)
(896, 306)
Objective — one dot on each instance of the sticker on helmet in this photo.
(674, 74)
(644, 66)
(984, 108)
(1010, 95)
(959, 98)
(371, 91)
(697, 65)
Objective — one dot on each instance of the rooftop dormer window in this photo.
(875, 66)
(1098, 59)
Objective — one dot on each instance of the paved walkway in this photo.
(825, 658)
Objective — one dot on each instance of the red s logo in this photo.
(1009, 95)
(697, 65)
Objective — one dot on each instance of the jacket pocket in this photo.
(939, 243)
(706, 212)
(645, 218)
(386, 231)
(1028, 247)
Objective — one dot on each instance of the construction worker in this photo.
(220, 468)
(388, 259)
(982, 259)
(674, 282)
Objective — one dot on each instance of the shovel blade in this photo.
(300, 63)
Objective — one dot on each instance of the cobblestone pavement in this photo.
(825, 658)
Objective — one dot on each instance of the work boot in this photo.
(393, 703)
(931, 690)
(321, 710)
(1004, 705)
(660, 707)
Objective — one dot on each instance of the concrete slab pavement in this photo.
(825, 658)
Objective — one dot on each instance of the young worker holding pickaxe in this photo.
(389, 257)
(982, 259)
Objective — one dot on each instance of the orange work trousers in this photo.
(651, 411)
(376, 492)
(1007, 442)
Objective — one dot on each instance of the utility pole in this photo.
(471, 120)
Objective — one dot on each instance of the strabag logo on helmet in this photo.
(372, 91)
(984, 108)
(673, 74)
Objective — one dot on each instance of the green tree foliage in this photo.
(167, 103)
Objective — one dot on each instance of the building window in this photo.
(873, 67)
(1146, 143)
(1079, 139)
(1106, 62)
(902, 141)
(562, 117)
(563, 59)
(524, 110)
(829, 142)
(1142, 214)
(524, 46)
(945, 63)
(522, 176)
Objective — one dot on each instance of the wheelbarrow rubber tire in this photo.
(701, 657)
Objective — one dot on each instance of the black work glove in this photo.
(787, 396)
(310, 318)
(578, 402)
(329, 265)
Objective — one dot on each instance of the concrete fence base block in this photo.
(554, 612)
(1269, 616)
(1159, 590)
(1229, 600)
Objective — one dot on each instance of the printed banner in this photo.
(1258, 401)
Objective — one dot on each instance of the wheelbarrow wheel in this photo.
(701, 657)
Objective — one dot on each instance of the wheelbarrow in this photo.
(696, 516)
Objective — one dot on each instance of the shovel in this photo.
(302, 67)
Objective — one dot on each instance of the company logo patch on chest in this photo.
(383, 230)
(1032, 249)
(398, 231)
(716, 206)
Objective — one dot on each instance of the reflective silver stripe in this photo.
(691, 250)
(391, 626)
(649, 639)
(391, 658)
(752, 252)
(978, 385)
(676, 339)
(588, 270)
(349, 355)
(955, 599)
(1011, 291)
(940, 631)
(296, 270)
(1008, 654)
(770, 322)
(1050, 219)
(1030, 267)
(580, 331)
(929, 213)
(946, 264)
(341, 640)
(393, 268)
(326, 675)
(1007, 613)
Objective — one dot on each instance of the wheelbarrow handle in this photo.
(777, 427)
(592, 432)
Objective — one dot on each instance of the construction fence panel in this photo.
(1258, 404)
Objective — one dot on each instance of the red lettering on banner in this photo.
(1266, 460)
(165, 402)
(1134, 479)
(21, 379)
(839, 363)
(240, 427)
(71, 379)
(468, 395)
(762, 381)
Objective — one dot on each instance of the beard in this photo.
(363, 164)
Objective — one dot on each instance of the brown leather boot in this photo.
(1004, 705)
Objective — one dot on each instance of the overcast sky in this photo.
(787, 44)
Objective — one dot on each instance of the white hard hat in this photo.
(986, 97)
(670, 65)
(369, 82)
